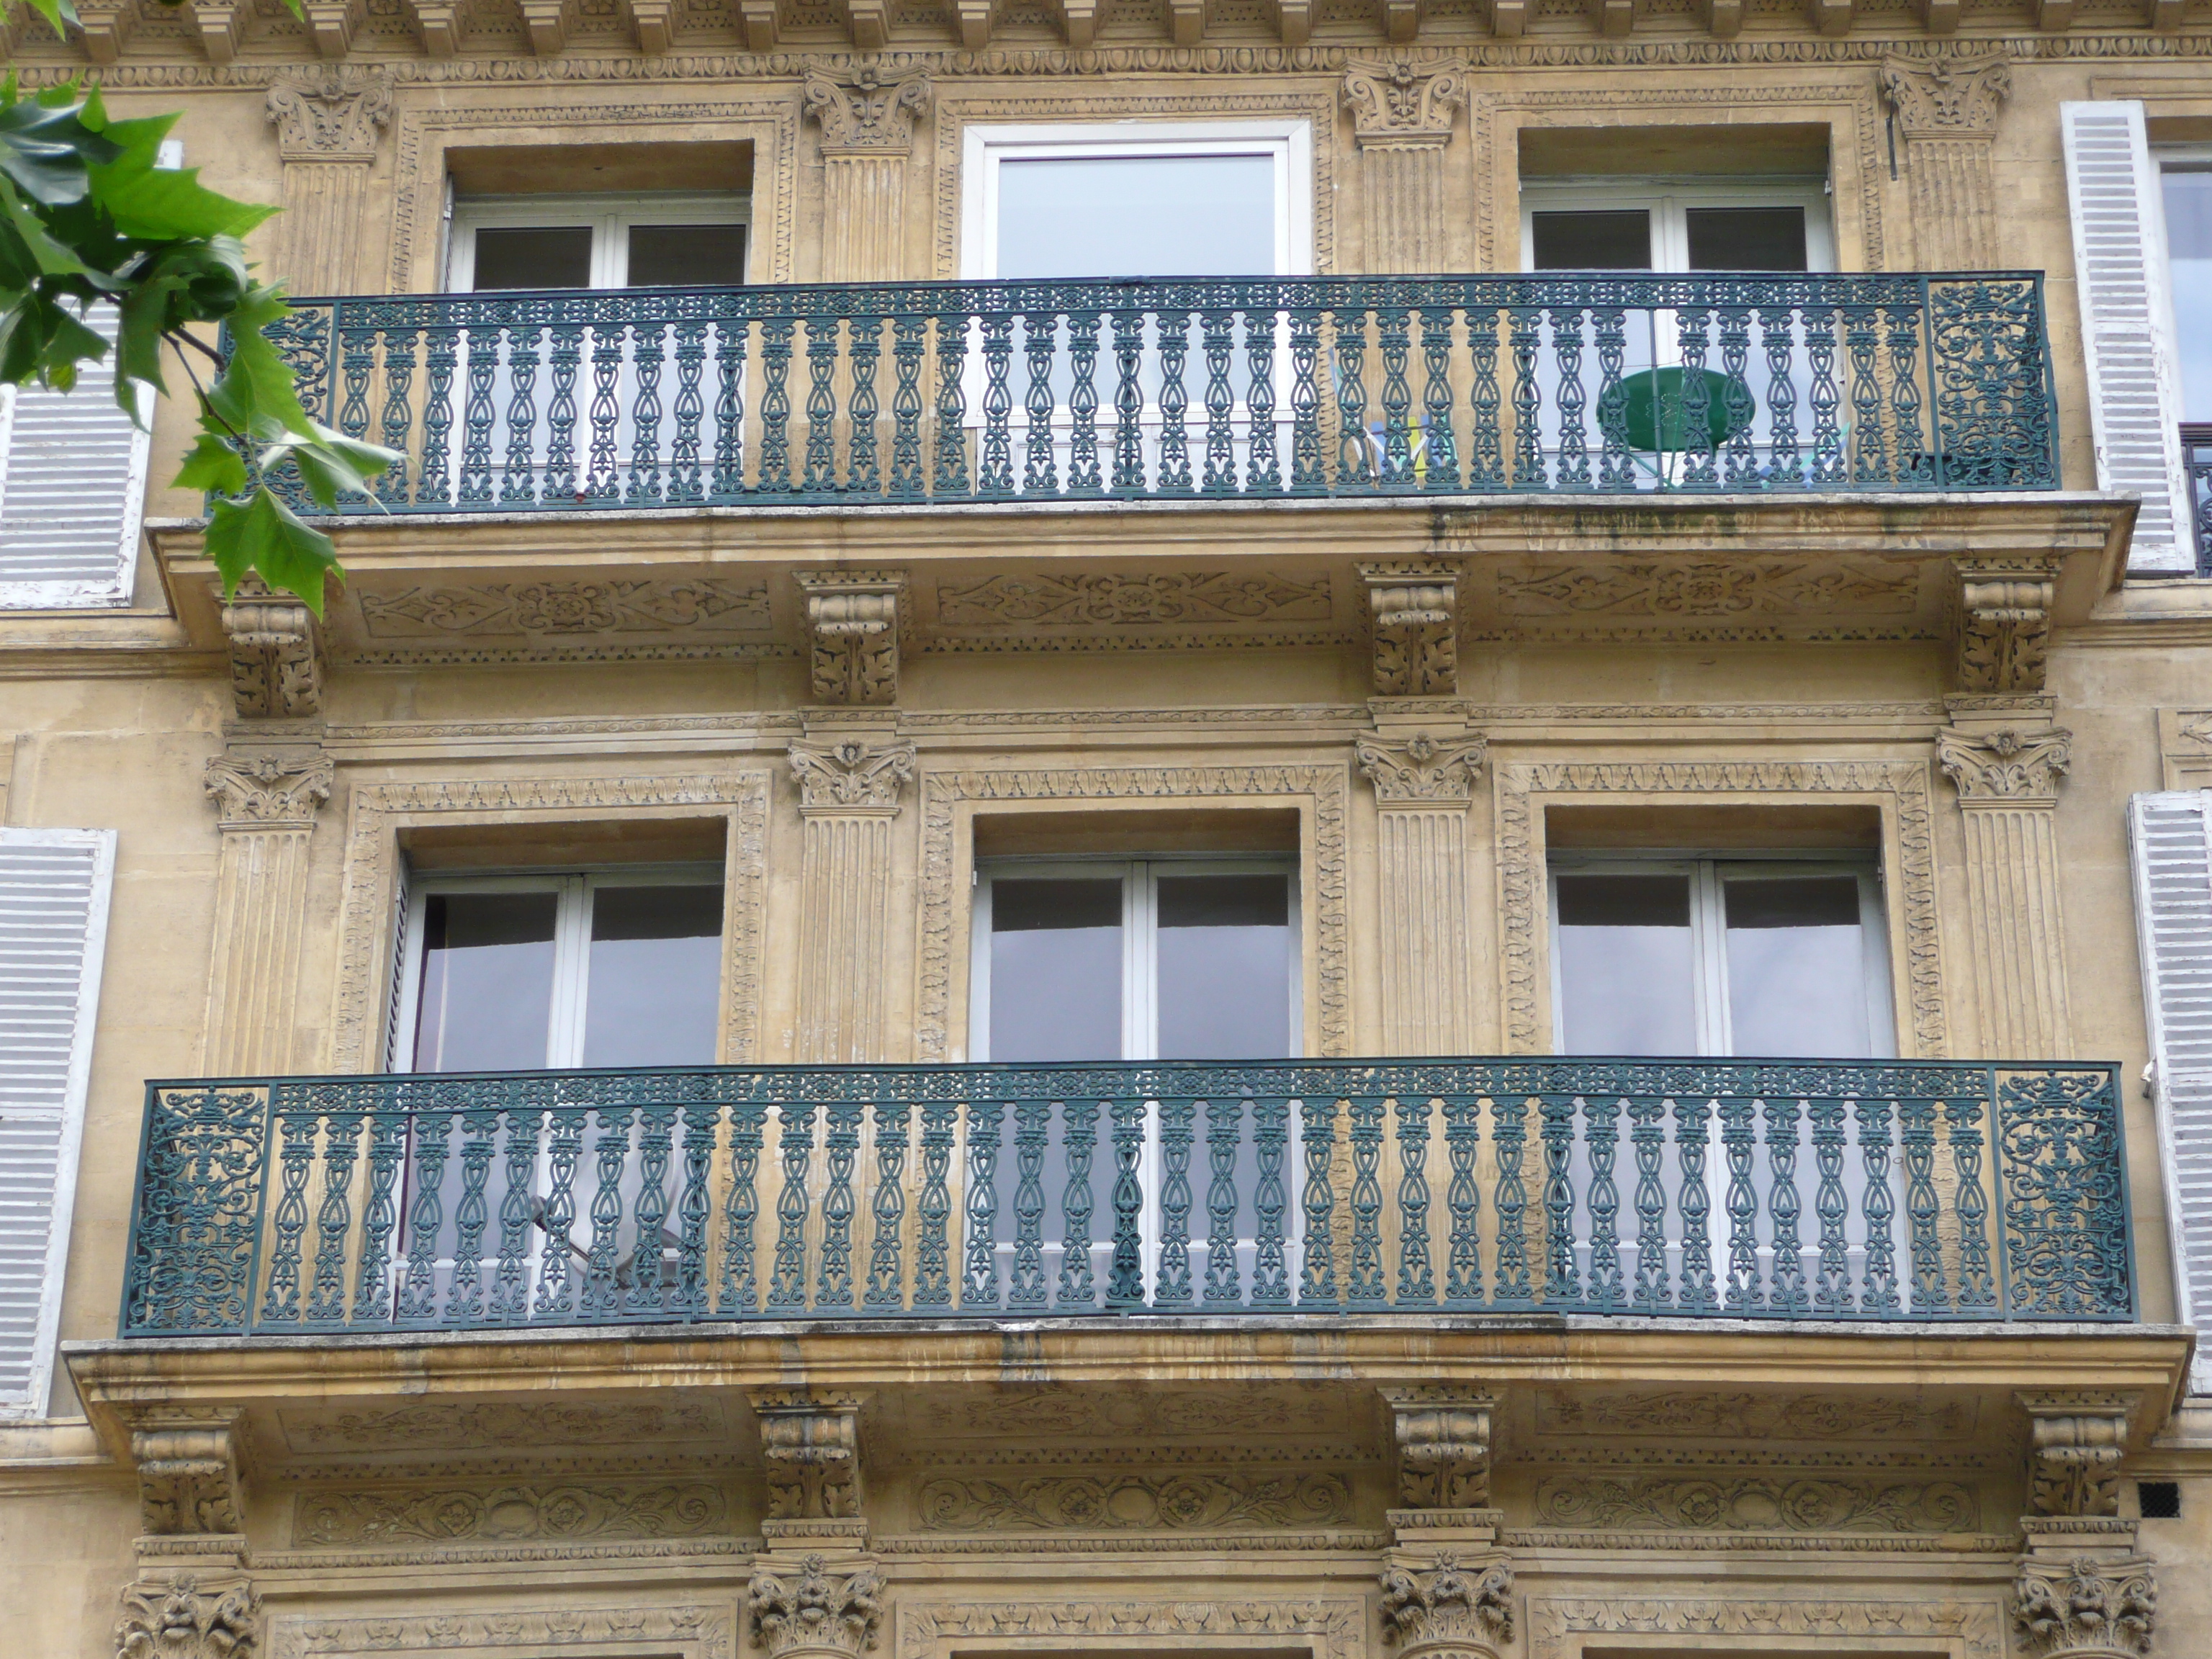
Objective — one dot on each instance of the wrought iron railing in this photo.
(2197, 462)
(1811, 1191)
(1560, 382)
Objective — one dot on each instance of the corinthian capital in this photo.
(188, 1617)
(867, 115)
(1949, 98)
(818, 1610)
(1447, 1608)
(1397, 107)
(2084, 1608)
(334, 119)
(268, 792)
(2021, 767)
(840, 777)
(1421, 771)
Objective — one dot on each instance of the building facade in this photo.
(1238, 827)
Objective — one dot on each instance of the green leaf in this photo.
(60, 12)
(51, 256)
(214, 465)
(265, 536)
(332, 464)
(163, 205)
(42, 340)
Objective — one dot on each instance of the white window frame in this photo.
(1139, 935)
(2179, 158)
(1288, 144)
(1709, 931)
(611, 215)
(572, 942)
(1668, 199)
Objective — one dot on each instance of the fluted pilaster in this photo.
(848, 797)
(268, 804)
(1423, 789)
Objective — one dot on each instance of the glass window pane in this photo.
(518, 256)
(2188, 246)
(1746, 238)
(1138, 215)
(1606, 239)
(1224, 966)
(1796, 968)
(654, 994)
(669, 256)
(1056, 968)
(487, 995)
(1626, 967)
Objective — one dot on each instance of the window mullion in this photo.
(571, 959)
(1140, 1015)
(1709, 949)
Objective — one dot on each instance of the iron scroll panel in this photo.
(1829, 1191)
(1555, 383)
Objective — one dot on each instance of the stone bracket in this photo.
(2076, 1442)
(188, 1475)
(276, 661)
(811, 1442)
(2003, 623)
(853, 622)
(1415, 606)
(1442, 1441)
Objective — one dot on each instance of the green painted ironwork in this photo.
(1556, 382)
(565, 1199)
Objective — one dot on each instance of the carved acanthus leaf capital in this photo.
(2084, 1607)
(1415, 607)
(1462, 1609)
(867, 115)
(276, 655)
(818, 1609)
(1397, 107)
(188, 1617)
(1442, 1441)
(2075, 1443)
(333, 118)
(853, 631)
(1422, 771)
(811, 1443)
(2004, 626)
(268, 792)
(1950, 98)
(187, 1476)
(840, 777)
(2023, 767)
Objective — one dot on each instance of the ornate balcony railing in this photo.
(1558, 383)
(1914, 1192)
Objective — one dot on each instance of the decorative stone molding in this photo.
(853, 627)
(276, 655)
(1971, 1630)
(1336, 1627)
(850, 777)
(1172, 1503)
(188, 1479)
(811, 1445)
(221, 24)
(2085, 1608)
(1724, 1501)
(2008, 766)
(188, 1617)
(1448, 1608)
(1031, 600)
(818, 1609)
(1397, 107)
(558, 609)
(1415, 607)
(279, 790)
(1946, 98)
(327, 131)
(2076, 1442)
(334, 118)
(698, 1630)
(1421, 771)
(2003, 625)
(867, 115)
(1443, 1448)
(566, 1510)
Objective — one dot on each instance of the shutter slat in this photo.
(72, 488)
(2171, 839)
(2119, 268)
(54, 889)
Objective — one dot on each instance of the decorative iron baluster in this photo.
(566, 357)
(1486, 402)
(1224, 1121)
(648, 1292)
(643, 485)
(357, 365)
(1171, 1285)
(295, 1138)
(729, 484)
(1078, 1140)
(1601, 1116)
(1870, 440)
(1355, 461)
(932, 1211)
(886, 1289)
(1318, 1205)
(518, 482)
(602, 477)
(1916, 454)
(397, 429)
(1509, 1133)
(1785, 468)
(1879, 1295)
(864, 345)
(1746, 1293)
(1263, 467)
(1655, 1284)
(1917, 1120)
(1463, 1198)
(1833, 1290)
(478, 417)
(1173, 475)
(1829, 463)
(951, 475)
(908, 344)
(510, 1289)
(1084, 324)
(1977, 1282)
(1026, 1289)
(1271, 1278)
(776, 333)
(786, 1282)
(417, 1296)
(979, 1282)
(1616, 465)
(1125, 1282)
(819, 477)
(1693, 1126)
(740, 1288)
(471, 1216)
(694, 1205)
(1526, 342)
(602, 1297)
(1787, 1276)
(1739, 409)
(1218, 338)
(1556, 1127)
(1572, 468)
(1416, 1277)
(1040, 473)
(1128, 403)
(841, 1145)
(994, 471)
(1393, 339)
(687, 481)
(1365, 1288)
(557, 1294)
(1306, 476)
(1700, 455)
(379, 1218)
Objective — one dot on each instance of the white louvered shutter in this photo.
(2121, 281)
(53, 923)
(2170, 836)
(72, 490)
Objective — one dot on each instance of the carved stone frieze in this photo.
(679, 1629)
(1753, 1416)
(189, 1617)
(268, 791)
(1032, 1415)
(333, 118)
(1336, 1625)
(1163, 1503)
(853, 631)
(1107, 599)
(2076, 1442)
(850, 775)
(2019, 768)
(1421, 771)
(187, 1476)
(2084, 1608)
(811, 1445)
(500, 1425)
(1675, 589)
(1415, 606)
(276, 655)
(1946, 98)
(1723, 1502)
(577, 1510)
(868, 115)
(1972, 1625)
(816, 1608)
(567, 608)
(1442, 1442)
(2003, 626)
(1398, 106)
(1449, 1607)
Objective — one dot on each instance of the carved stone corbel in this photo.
(1415, 604)
(2075, 1443)
(2003, 622)
(852, 629)
(822, 1610)
(1449, 1609)
(189, 1616)
(191, 1598)
(188, 1479)
(811, 1443)
(108, 26)
(276, 655)
(221, 24)
(1442, 1441)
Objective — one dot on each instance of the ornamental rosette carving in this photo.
(867, 115)
(2085, 1608)
(844, 776)
(2006, 765)
(1950, 98)
(817, 1610)
(268, 792)
(335, 118)
(276, 655)
(189, 1617)
(1421, 771)
(1449, 1605)
(1398, 106)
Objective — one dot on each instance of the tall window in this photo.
(1784, 959)
(1677, 225)
(598, 241)
(513, 973)
(2185, 182)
